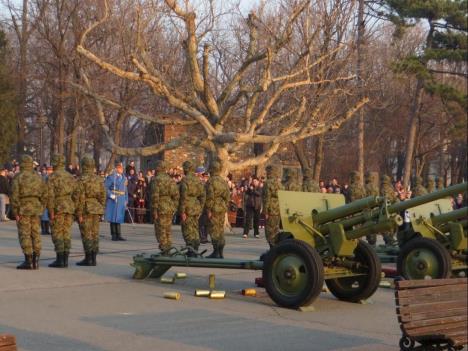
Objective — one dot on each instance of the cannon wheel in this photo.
(358, 288)
(293, 274)
(421, 257)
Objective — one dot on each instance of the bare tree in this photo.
(235, 105)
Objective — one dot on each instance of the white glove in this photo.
(112, 196)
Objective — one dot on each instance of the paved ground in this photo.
(102, 308)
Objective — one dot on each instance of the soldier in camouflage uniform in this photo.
(217, 199)
(308, 184)
(28, 200)
(271, 205)
(418, 188)
(89, 208)
(62, 197)
(430, 185)
(371, 187)
(191, 203)
(387, 190)
(292, 182)
(440, 183)
(164, 199)
(355, 191)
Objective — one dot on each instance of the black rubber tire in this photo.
(282, 236)
(345, 289)
(313, 268)
(441, 253)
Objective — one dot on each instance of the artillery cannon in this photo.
(434, 245)
(319, 242)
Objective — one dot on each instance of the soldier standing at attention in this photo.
(271, 204)
(164, 199)
(430, 185)
(291, 180)
(117, 199)
(387, 190)
(191, 203)
(89, 209)
(28, 201)
(62, 195)
(308, 183)
(440, 183)
(419, 188)
(355, 191)
(372, 189)
(217, 199)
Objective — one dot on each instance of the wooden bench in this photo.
(432, 313)
(7, 342)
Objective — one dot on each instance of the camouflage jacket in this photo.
(270, 197)
(419, 190)
(91, 195)
(372, 190)
(356, 192)
(62, 192)
(217, 195)
(292, 185)
(192, 196)
(28, 194)
(164, 195)
(310, 186)
(388, 191)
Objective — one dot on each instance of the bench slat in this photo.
(435, 306)
(8, 348)
(436, 322)
(411, 284)
(430, 314)
(7, 340)
(417, 300)
(436, 330)
(462, 340)
(461, 288)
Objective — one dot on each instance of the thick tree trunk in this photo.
(318, 157)
(299, 149)
(23, 39)
(117, 137)
(73, 141)
(412, 131)
(359, 69)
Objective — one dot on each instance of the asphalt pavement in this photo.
(103, 308)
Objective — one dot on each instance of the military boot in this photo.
(27, 264)
(113, 232)
(35, 261)
(215, 253)
(220, 250)
(58, 263)
(47, 227)
(87, 261)
(93, 258)
(65, 259)
(118, 232)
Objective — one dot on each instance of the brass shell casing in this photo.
(217, 294)
(166, 280)
(202, 293)
(180, 275)
(249, 292)
(172, 295)
(212, 281)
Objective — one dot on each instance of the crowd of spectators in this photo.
(246, 193)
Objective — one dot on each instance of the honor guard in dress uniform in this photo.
(116, 200)
(28, 201)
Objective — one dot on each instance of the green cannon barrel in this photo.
(346, 210)
(419, 200)
(451, 216)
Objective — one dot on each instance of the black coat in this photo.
(4, 185)
(253, 198)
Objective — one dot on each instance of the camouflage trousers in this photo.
(162, 230)
(216, 227)
(190, 230)
(89, 229)
(61, 232)
(29, 234)
(272, 228)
